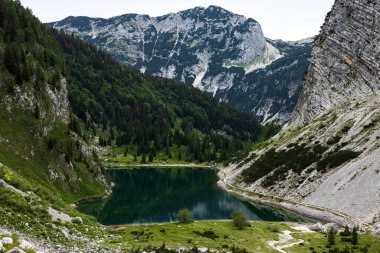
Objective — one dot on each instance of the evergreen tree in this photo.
(154, 150)
(346, 231)
(143, 158)
(179, 156)
(223, 154)
(151, 157)
(355, 238)
(331, 236)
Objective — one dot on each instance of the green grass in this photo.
(318, 243)
(189, 235)
(225, 236)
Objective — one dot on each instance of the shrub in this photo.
(273, 228)
(208, 234)
(184, 216)
(335, 159)
(296, 158)
(239, 220)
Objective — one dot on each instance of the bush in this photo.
(239, 220)
(184, 216)
(336, 159)
(208, 234)
(273, 228)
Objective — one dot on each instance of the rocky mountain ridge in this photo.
(210, 48)
(328, 156)
(346, 60)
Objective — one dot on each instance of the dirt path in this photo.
(286, 240)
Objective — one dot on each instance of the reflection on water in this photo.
(145, 195)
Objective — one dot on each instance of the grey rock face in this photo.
(346, 59)
(210, 48)
(155, 44)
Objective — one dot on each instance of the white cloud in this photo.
(280, 19)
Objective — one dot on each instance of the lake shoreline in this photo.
(156, 165)
(311, 212)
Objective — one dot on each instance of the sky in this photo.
(280, 19)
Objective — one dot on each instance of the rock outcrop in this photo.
(332, 162)
(345, 61)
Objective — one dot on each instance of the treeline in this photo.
(151, 113)
(29, 53)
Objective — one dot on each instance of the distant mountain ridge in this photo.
(211, 48)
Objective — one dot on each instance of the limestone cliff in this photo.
(331, 163)
(345, 61)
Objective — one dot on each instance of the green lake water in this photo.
(153, 195)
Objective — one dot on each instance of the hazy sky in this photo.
(280, 19)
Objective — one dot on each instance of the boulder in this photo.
(2, 183)
(317, 227)
(26, 245)
(7, 241)
(1, 246)
(327, 227)
(202, 250)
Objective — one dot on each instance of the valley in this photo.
(189, 132)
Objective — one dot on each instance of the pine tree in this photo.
(151, 157)
(355, 239)
(331, 236)
(143, 158)
(179, 156)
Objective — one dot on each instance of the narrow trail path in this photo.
(286, 240)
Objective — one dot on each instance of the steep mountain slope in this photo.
(272, 92)
(213, 49)
(346, 59)
(331, 163)
(37, 141)
(328, 168)
(149, 114)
